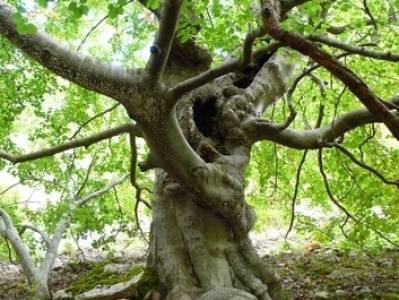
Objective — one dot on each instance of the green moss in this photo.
(98, 276)
(149, 281)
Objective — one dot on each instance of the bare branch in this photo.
(81, 201)
(293, 200)
(328, 189)
(113, 107)
(83, 142)
(270, 15)
(370, 15)
(135, 184)
(365, 166)
(98, 24)
(298, 175)
(163, 40)
(354, 49)
(90, 31)
(89, 169)
(93, 75)
(9, 188)
(313, 138)
(37, 230)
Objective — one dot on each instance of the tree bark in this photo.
(197, 255)
(199, 243)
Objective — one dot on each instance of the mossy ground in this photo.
(306, 274)
(98, 276)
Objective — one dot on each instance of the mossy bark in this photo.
(197, 255)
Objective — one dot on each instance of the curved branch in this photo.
(163, 41)
(294, 197)
(365, 166)
(82, 70)
(83, 142)
(9, 231)
(37, 230)
(313, 138)
(298, 175)
(340, 206)
(354, 49)
(370, 15)
(270, 16)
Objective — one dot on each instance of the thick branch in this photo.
(163, 41)
(9, 231)
(228, 67)
(354, 49)
(81, 70)
(83, 142)
(314, 138)
(270, 16)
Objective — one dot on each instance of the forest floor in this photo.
(314, 273)
(311, 273)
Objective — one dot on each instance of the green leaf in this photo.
(22, 26)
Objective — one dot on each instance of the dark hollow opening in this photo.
(204, 114)
(246, 76)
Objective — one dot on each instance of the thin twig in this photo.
(368, 12)
(340, 206)
(96, 25)
(92, 119)
(365, 166)
(293, 201)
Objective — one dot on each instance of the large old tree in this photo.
(200, 119)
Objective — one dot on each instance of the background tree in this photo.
(201, 121)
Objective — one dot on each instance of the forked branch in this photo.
(270, 16)
(39, 275)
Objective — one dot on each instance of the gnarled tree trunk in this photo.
(199, 243)
(195, 251)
